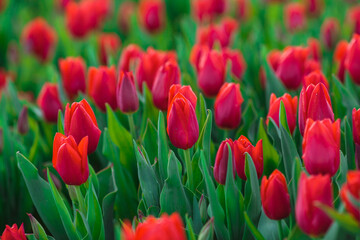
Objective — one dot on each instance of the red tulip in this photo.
(186, 91)
(228, 106)
(72, 71)
(352, 59)
(126, 10)
(290, 105)
(314, 78)
(243, 9)
(97, 11)
(14, 233)
(274, 59)
(202, 10)
(221, 161)
(242, 146)
(311, 65)
(353, 16)
(196, 53)
(314, 7)
(238, 64)
(211, 74)
(352, 189)
(167, 75)
(39, 39)
(294, 16)
(314, 49)
(340, 56)
(77, 19)
(152, 15)
(102, 86)
(129, 56)
(70, 159)
(218, 6)
(3, 80)
(356, 134)
(311, 191)
(314, 103)
(49, 101)
(275, 196)
(80, 121)
(108, 45)
(126, 94)
(330, 32)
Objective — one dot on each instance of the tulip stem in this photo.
(281, 233)
(80, 199)
(189, 169)
(132, 125)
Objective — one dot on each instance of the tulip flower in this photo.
(211, 74)
(243, 9)
(238, 64)
(274, 59)
(290, 105)
(126, 10)
(202, 10)
(228, 106)
(73, 71)
(321, 146)
(314, 49)
(70, 159)
(77, 19)
(49, 101)
(313, 190)
(80, 121)
(314, 103)
(102, 86)
(356, 134)
(353, 16)
(184, 90)
(152, 15)
(39, 39)
(196, 53)
(126, 94)
(242, 146)
(167, 75)
(311, 65)
(351, 189)
(221, 161)
(13, 233)
(339, 57)
(275, 196)
(108, 45)
(227, 28)
(352, 59)
(128, 58)
(330, 32)
(97, 11)
(314, 78)
(294, 16)
(314, 7)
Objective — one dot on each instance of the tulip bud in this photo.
(207, 232)
(330, 32)
(126, 10)
(351, 189)
(70, 159)
(313, 190)
(290, 105)
(356, 134)
(274, 59)
(238, 64)
(275, 197)
(211, 74)
(129, 55)
(314, 103)
(339, 57)
(152, 15)
(77, 19)
(353, 16)
(294, 17)
(227, 28)
(314, 7)
(221, 161)
(126, 94)
(314, 78)
(314, 49)
(102, 86)
(72, 71)
(39, 39)
(23, 122)
(184, 90)
(242, 146)
(49, 102)
(108, 45)
(321, 146)
(228, 106)
(14, 233)
(80, 121)
(352, 59)
(167, 75)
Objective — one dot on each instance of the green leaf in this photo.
(163, 148)
(283, 118)
(349, 143)
(204, 140)
(38, 230)
(257, 235)
(189, 229)
(94, 215)
(60, 123)
(148, 142)
(201, 111)
(297, 234)
(150, 111)
(347, 98)
(343, 170)
(82, 225)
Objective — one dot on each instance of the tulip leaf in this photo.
(257, 235)
(204, 140)
(60, 123)
(38, 230)
(283, 118)
(163, 148)
(189, 229)
(148, 142)
(297, 234)
(347, 98)
(201, 111)
(150, 112)
(94, 215)
(349, 143)
(82, 225)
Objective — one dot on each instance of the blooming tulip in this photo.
(340, 56)
(330, 32)
(352, 189)
(314, 49)
(228, 106)
(315, 77)
(275, 196)
(70, 159)
(108, 45)
(202, 10)
(221, 161)
(352, 59)
(3, 80)
(294, 16)
(313, 190)
(80, 121)
(13, 233)
(218, 6)
(238, 64)
(73, 75)
(126, 94)
(49, 101)
(129, 55)
(152, 16)
(356, 134)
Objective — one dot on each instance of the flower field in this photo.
(179, 119)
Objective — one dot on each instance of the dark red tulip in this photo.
(14, 233)
(184, 90)
(294, 16)
(313, 190)
(80, 121)
(238, 64)
(352, 189)
(228, 106)
(152, 15)
(314, 49)
(3, 80)
(130, 54)
(339, 57)
(70, 159)
(330, 32)
(314, 78)
(314, 7)
(352, 59)
(221, 161)
(275, 196)
(77, 19)
(274, 59)
(73, 78)
(126, 94)
(126, 10)
(227, 28)
(356, 134)
(108, 45)
(353, 16)
(218, 6)
(49, 101)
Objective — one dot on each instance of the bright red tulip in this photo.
(311, 191)
(314, 7)
(129, 56)
(97, 11)
(221, 161)
(126, 10)
(314, 78)
(314, 49)
(275, 196)
(13, 233)
(356, 134)
(126, 94)
(352, 189)
(49, 101)
(70, 159)
(184, 90)
(77, 19)
(108, 45)
(238, 64)
(39, 39)
(152, 15)
(339, 57)
(353, 16)
(290, 105)
(202, 10)
(228, 106)
(294, 16)
(314, 103)
(274, 59)
(80, 121)
(73, 78)
(330, 32)
(218, 6)
(352, 59)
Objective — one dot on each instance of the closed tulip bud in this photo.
(49, 102)
(182, 124)
(238, 64)
(314, 78)
(313, 190)
(291, 67)
(80, 121)
(339, 57)
(70, 159)
(126, 10)
(242, 146)
(211, 74)
(39, 39)
(102, 86)
(350, 193)
(167, 75)
(14, 233)
(274, 59)
(23, 122)
(311, 65)
(314, 103)
(126, 94)
(356, 134)
(352, 59)
(72, 70)
(314, 49)
(290, 105)
(108, 45)
(314, 7)
(228, 106)
(3, 80)
(321, 146)
(275, 196)
(186, 91)
(330, 32)
(77, 19)
(130, 54)
(295, 18)
(353, 16)
(152, 15)
(221, 161)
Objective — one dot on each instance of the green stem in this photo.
(80, 199)
(281, 233)
(132, 125)
(189, 172)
